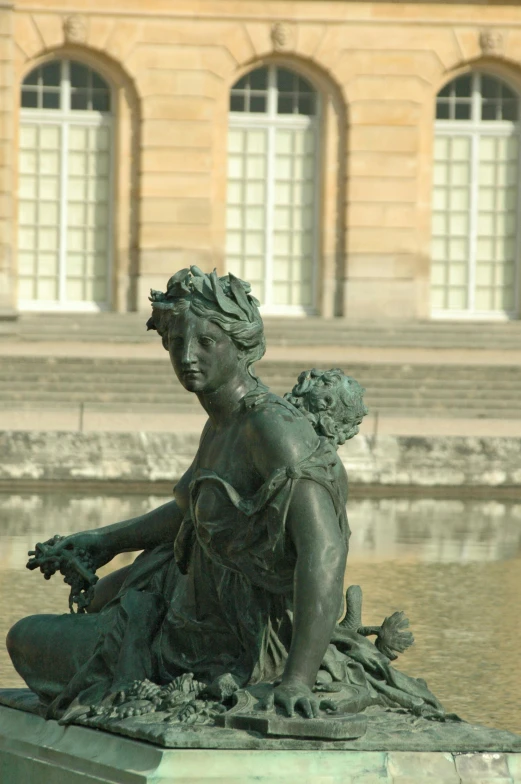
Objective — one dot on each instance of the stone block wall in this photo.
(377, 66)
(463, 463)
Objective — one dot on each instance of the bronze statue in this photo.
(238, 590)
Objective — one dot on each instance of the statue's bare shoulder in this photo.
(278, 435)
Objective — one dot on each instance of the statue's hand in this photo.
(91, 544)
(293, 695)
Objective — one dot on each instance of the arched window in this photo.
(272, 187)
(65, 200)
(476, 242)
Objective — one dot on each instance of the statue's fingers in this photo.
(305, 705)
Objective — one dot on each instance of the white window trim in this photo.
(64, 118)
(269, 121)
(474, 130)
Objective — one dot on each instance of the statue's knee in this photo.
(16, 637)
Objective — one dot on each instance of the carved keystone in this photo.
(282, 35)
(492, 42)
(75, 29)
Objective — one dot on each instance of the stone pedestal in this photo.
(34, 751)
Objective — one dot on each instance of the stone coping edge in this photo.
(152, 457)
(35, 750)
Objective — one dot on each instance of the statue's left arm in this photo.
(321, 549)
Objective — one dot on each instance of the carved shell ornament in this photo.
(492, 42)
(75, 29)
(282, 35)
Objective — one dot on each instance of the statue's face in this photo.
(202, 355)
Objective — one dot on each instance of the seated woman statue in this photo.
(241, 576)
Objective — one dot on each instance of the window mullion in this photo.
(269, 215)
(64, 160)
(66, 87)
(474, 191)
(272, 92)
(476, 99)
(270, 185)
(473, 218)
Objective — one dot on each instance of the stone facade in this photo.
(377, 66)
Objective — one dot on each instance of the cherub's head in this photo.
(332, 401)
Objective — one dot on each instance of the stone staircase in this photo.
(130, 328)
(138, 385)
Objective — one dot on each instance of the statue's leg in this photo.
(47, 650)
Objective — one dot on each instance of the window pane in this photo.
(32, 78)
(462, 111)
(99, 83)
(100, 101)
(490, 110)
(51, 74)
(306, 104)
(490, 87)
(80, 100)
(510, 111)
(507, 93)
(259, 79)
(445, 91)
(257, 103)
(285, 80)
(29, 99)
(442, 110)
(285, 104)
(463, 86)
(79, 75)
(241, 83)
(51, 100)
(237, 103)
(304, 86)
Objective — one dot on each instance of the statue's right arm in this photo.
(144, 532)
(149, 530)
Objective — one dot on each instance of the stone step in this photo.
(397, 401)
(143, 379)
(93, 364)
(383, 411)
(379, 373)
(35, 385)
(130, 327)
(123, 384)
(85, 370)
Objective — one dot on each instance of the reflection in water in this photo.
(452, 566)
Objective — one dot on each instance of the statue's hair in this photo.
(225, 301)
(327, 398)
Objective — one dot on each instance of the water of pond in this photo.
(453, 566)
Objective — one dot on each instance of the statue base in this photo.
(32, 749)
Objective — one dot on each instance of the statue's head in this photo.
(226, 301)
(332, 401)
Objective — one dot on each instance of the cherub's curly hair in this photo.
(225, 301)
(328, 398)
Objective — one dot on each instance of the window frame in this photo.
(474, 129)
(269, 121)
(65, 117)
